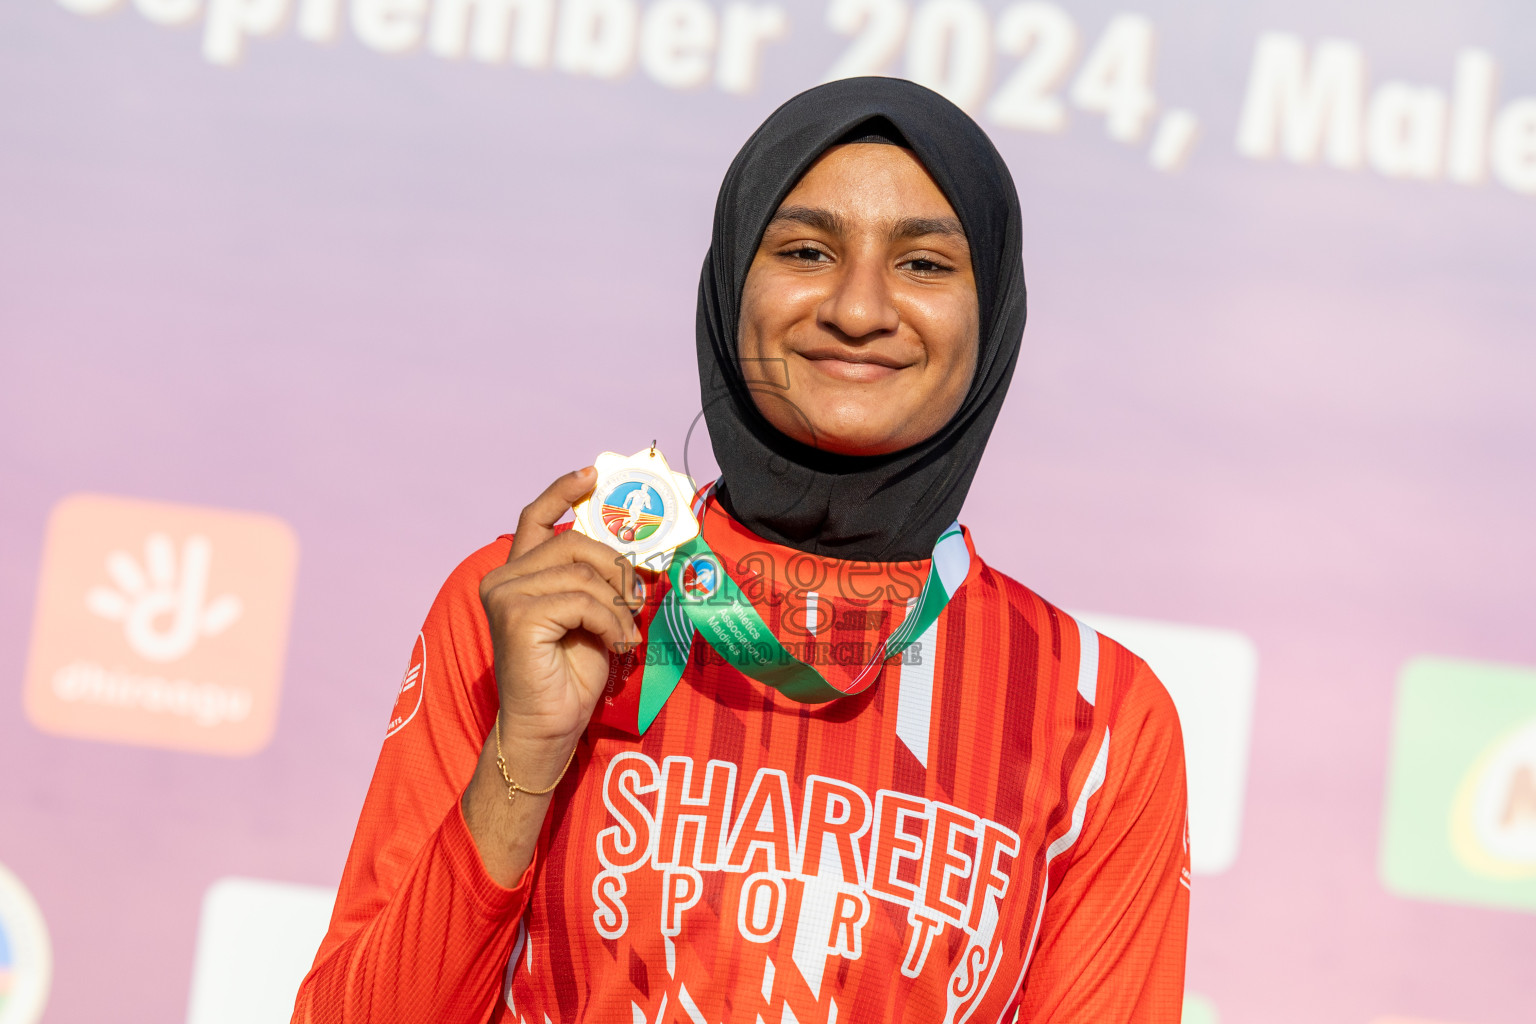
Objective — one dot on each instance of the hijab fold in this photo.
(870, 508)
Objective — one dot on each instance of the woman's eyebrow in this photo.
(908, 227)
(811, 217)
(916, 227)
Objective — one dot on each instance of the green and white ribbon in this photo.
(730, 625)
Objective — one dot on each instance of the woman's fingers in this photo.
(578, 609)
(536, 523)
(559, 580)
(572, 547)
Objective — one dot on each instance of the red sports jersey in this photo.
(993, 831)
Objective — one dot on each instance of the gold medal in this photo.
(640, 507)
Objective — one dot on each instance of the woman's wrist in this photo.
(505, 825)
(531, 765)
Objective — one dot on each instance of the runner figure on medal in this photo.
(637, 503)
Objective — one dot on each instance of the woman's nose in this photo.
(860, 304)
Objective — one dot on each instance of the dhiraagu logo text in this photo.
(1461, 805)
(26, 958)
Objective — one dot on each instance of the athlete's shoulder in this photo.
(987, 585)
(1133, 698)
(1136, 694)
(463, 583)
(1105, 672)
(990, 591)
(456, 611)
(473, 568)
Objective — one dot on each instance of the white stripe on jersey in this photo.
(914, 693)
(1087, 662)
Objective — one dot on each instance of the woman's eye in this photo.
(923, 266)
(806, 253)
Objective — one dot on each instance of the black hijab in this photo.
(872, 508)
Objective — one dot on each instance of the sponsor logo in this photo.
(807, 868)
(255, 942)
(26, 957)
(412, 685)
(162, 601)
(1212, 676)
(1493, 821)
(701, 578)
(635, 509)
(1460, 824)
(1198, 1010)
(160, 625)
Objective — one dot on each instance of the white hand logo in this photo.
(144, 596)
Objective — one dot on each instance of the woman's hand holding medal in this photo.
(555, 610)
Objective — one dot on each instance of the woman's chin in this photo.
(861, 439)
(860, 424)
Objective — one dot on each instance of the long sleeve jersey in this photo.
(994, 831)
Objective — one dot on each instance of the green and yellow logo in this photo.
(1460, 823)
(1198, 1010)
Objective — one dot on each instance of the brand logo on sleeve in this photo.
(412, 686)
(1461, 806)
(161, 625)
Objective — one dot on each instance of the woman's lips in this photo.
(854, 371)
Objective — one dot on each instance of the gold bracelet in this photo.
(512, 787)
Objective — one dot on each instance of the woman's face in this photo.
(859, 320)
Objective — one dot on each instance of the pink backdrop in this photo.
(385, 298)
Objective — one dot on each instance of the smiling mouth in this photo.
(855, 369)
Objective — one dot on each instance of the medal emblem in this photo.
(633, 511)
(640, 507)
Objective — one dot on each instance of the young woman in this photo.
(986, 824)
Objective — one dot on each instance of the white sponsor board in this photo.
(255, 943)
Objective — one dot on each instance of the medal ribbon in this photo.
(727, 621)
